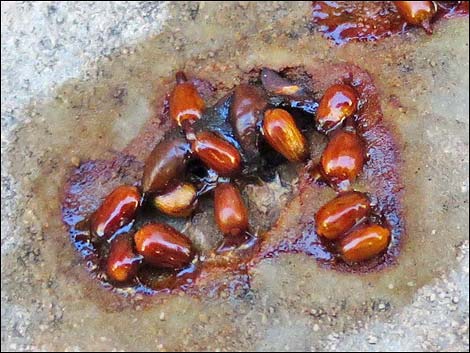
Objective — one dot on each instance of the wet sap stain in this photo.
(93, 180)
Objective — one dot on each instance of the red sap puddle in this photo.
(228, 267)
(345, 21)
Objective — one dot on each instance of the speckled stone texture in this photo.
(80, 79)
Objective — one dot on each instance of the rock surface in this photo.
(79, 79)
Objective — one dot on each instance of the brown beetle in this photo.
(163, 246)
(177, 202)
(338, 103)
(282, 133)
(117, 210)
(343, 159)
(245, 114)
(217, 153)
(417, 13)
(231, 214)
(364, 243)
(165, 164)
(122, 263)
(275, 83)
(186, 105)
(341, 214)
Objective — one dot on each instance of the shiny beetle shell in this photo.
(341, 214)
(163, 246)
(117, 210)
(165, 164)
(364, 243)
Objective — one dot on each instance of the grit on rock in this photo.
(80, 79)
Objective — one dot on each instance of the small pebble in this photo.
(264, 319)
(75, 161)
(162, 316)
(372, 340)
(316, 328)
